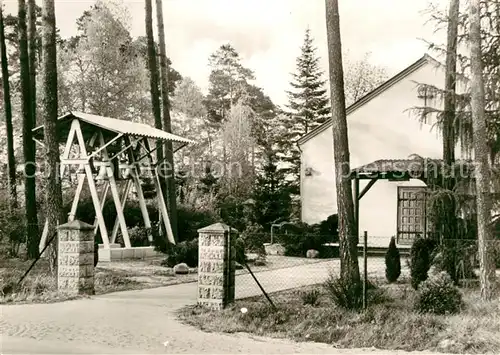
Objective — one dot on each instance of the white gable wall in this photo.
(383, 128)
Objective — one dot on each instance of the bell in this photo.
(102, 173)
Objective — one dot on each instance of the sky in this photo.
(268, 33)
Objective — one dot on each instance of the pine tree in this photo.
(53, 193)
(271, 195)
(11, 162)
(348, 231)
(308, 105)
(29, 148)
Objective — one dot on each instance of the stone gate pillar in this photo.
(75, 261)
(216, 265)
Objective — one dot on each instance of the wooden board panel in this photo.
(411, 213)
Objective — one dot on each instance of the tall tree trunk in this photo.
(348, 234)
(450, 85)
(155, 93)
(32, 54)
(449, 221)
(11, 162)
(482, 174)
(167, 125)
(53, 193)
(33, 237)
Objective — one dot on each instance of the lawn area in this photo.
(39, 286)
(390, 323)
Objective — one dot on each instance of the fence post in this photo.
(365, 268)
(216, 266)
(75, 262)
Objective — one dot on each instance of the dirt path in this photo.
(142, 321)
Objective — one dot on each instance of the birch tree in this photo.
(481, 157)
(348, 234)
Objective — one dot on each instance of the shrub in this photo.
(301, 237)
(138, 236)
(455, 257)
(183, 252)
(348, 295)
(12, 228)
(239, 246)
(438, 295)
(310, 297)
(420, 261)
(329, 228)
(189, 220)
(392, 262)
(254, 238)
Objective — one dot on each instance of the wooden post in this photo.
(365, 269)
(356, 205)
(114, 192)
(126, 191)
(92, 187)
(134, 174)
(161, 201)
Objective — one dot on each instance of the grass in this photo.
(40, 287)
(389, 324)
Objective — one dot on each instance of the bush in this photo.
(254, 238)
(13, 229)
(455, 257)
(239, 246)
(350, 296)
(420, 261)
(299, 238)
(392, 262)
(310, 297)
(138, 236)
(189, 220)
(183, 252)
(438, 295)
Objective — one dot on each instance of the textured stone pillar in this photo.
(216, 266)
(75, 264)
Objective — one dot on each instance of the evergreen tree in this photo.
(271, 194)
(308, 104)
(309, 101)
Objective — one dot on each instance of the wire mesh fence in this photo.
(285, 265)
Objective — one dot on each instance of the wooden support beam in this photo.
(104, 146)
(134, 174)
(161, 201)
(115, 194)
(65, 155)
(69, 145)
(124, 196)
(66, 162)
(102, 201)
(356, 203)
(367, 188)
(76, 199)
(126, 147)
(39, 142)
(92, 188)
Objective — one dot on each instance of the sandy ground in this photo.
(144, 322)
